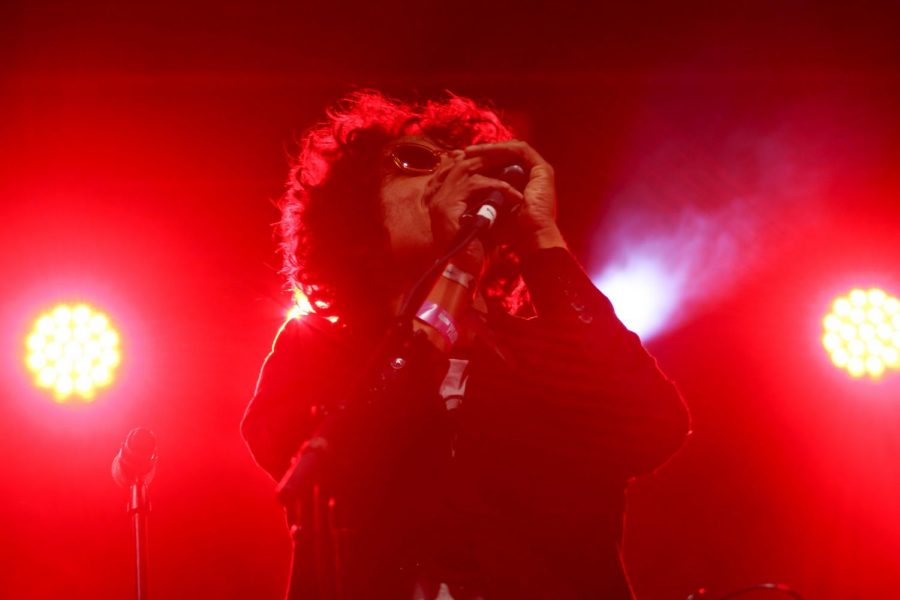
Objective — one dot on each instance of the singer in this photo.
(481, 448)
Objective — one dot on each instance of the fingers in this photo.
(464, 177)
(448, 200)
(460, 191)
(481, 183)
(459, 168)
(500, 152)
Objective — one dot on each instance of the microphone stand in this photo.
(139, 508)
(133, 468)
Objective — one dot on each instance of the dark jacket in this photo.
(518, 493)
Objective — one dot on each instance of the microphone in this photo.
(136, 459)
(482, 214)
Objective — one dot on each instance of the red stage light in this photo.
(862, 333)
(72, 351)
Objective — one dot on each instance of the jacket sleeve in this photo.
(358, 396)
(635, 416)
(290, 394)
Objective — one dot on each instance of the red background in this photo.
(142, 146)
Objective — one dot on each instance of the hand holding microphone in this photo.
(534, 223)
(483, 212)
(464, 198)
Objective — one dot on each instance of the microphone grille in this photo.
(141, 443)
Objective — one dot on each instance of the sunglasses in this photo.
(415, 159)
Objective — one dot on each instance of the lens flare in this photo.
(861, 334)
(302, 307)
(72, 351)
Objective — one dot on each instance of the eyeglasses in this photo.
(415, 159)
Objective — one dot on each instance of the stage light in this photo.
(73, 351)
(642, 293)
(862, 333)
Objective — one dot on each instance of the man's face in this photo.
(405, 208)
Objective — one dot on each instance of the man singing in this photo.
(457, 426)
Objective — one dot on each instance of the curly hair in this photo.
(332, 237)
